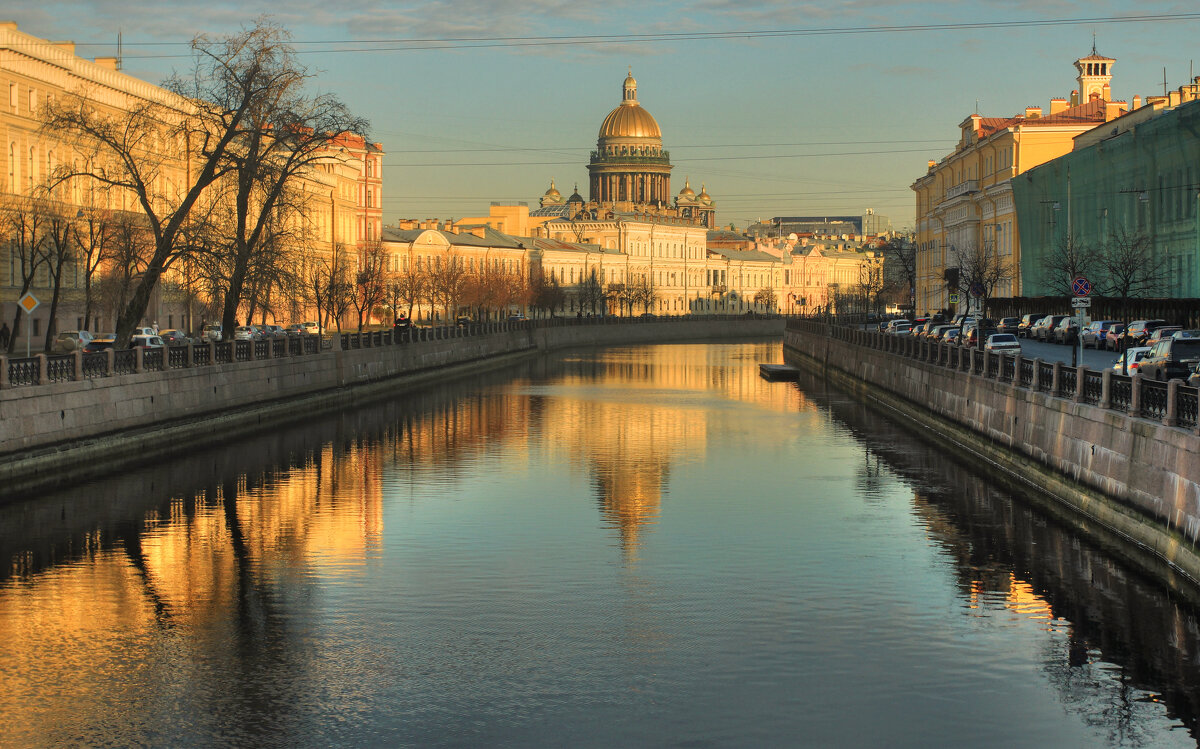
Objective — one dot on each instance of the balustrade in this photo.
(1154, 399)
(60, 368)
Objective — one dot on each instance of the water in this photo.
(638, 546)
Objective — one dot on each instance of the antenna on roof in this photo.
(1164, 80)
(1093, 42)
(119, 55)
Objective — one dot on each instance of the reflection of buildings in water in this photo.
(1122, 645)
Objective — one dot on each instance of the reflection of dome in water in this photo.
(629, 119)
(630, 496)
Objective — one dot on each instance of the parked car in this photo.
(1114, 336)
(145, 331)
(951, 335)
(939, 331)
(972, 337)
(1171, 358)
(1160, 333)
(1093, 335)
(1003, 342)
(1008, 325)
(211, 334)
(70, 340)
(1140, 330)
(1043, 330)
(146, 341)
(1186, 334)
(402, 323)
(1027, 322)
(173, 337)
(311, 328)
(1133, 356)
(272, 331)
(101, 342)
(519, 317)
(246, 333)
(900, 329)
(1067, 330)
(893, 324)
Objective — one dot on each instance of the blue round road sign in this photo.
(1080, 286)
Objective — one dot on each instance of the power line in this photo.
(483, 42)
(674, 147)
(404, 164)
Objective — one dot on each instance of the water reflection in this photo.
(592, 549)
(1121, 645)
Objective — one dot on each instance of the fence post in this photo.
(1080, 379)
(137, 359)
(1035, 382)
(1056, 379)
(43, 369)
(110, 362)
(1106, 388)
(1172, 417)
(77, 356)
(191, 355)
(3, 371)
(1018, 361)
(1135, 395)
(212, 352)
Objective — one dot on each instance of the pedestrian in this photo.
(155, 327)
(4, 336)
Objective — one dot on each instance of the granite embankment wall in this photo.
(51, 434)
(1138, 477)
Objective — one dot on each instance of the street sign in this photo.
(1080, 286)
(954, 298)
(1081, 302)
(976, 289)
(28, 303)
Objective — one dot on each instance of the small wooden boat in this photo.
(778, 372)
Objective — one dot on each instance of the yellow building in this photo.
(342, 194)
(964, 202)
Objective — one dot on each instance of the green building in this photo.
(1138, 175)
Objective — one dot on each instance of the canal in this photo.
(621, 547)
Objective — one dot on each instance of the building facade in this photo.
(340, 195)
(964, 203)
(1136, 178)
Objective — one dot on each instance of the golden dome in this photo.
(552, 192)
(687, 193)
(704, 197)
(629, 120)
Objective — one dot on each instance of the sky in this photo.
(777, 107)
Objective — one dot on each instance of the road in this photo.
(1092, 359)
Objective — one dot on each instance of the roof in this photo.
(744, 255)
(542, 243)
(491, 238)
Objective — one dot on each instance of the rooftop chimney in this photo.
(1033, 113)
(1057, 105)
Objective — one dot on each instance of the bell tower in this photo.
(1095, 75)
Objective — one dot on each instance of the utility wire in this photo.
(482, 42)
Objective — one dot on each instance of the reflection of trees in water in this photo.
(1130, 641)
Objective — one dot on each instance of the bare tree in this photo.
(448, 282)
(211, 124)
(407, 286)
(92, 234)
(547, 294)
(58, 250)
(282, 134)
(591, 292)
(870, 283)
(369, 282)
(766, 298)
(1131, 269)
(980, 270)
(900, 268)
(1066, 261)
(23, 223)
(643, 293)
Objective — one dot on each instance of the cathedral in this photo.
(630, 173)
